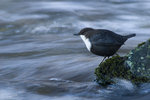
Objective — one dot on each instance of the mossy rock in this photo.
(110, 69)
(134, 67)
(139, 60)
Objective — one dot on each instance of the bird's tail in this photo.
(130, 35)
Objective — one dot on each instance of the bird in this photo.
(102, 42)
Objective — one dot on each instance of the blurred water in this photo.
(40, 59)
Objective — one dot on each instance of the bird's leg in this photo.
(117, 54)
(103, 59)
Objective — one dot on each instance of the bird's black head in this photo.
(84, 30)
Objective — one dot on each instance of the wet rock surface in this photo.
(139, 60)
(134, 67)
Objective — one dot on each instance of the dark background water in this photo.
(40, 59)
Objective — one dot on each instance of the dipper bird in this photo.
(102, 42)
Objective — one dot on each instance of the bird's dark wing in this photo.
(106, 37)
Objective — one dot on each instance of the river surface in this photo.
(40, 59)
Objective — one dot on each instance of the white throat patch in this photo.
(86, 41)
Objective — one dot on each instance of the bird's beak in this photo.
(76, 34)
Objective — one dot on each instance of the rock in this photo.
(139, 60)
(134, 67)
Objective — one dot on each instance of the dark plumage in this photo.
(103, 42)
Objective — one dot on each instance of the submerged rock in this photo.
(134, 67)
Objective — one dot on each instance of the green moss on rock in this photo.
(139, 45)
(135, 66)
(113, 68)
(140, 60)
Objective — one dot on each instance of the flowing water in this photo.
(40, 59)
